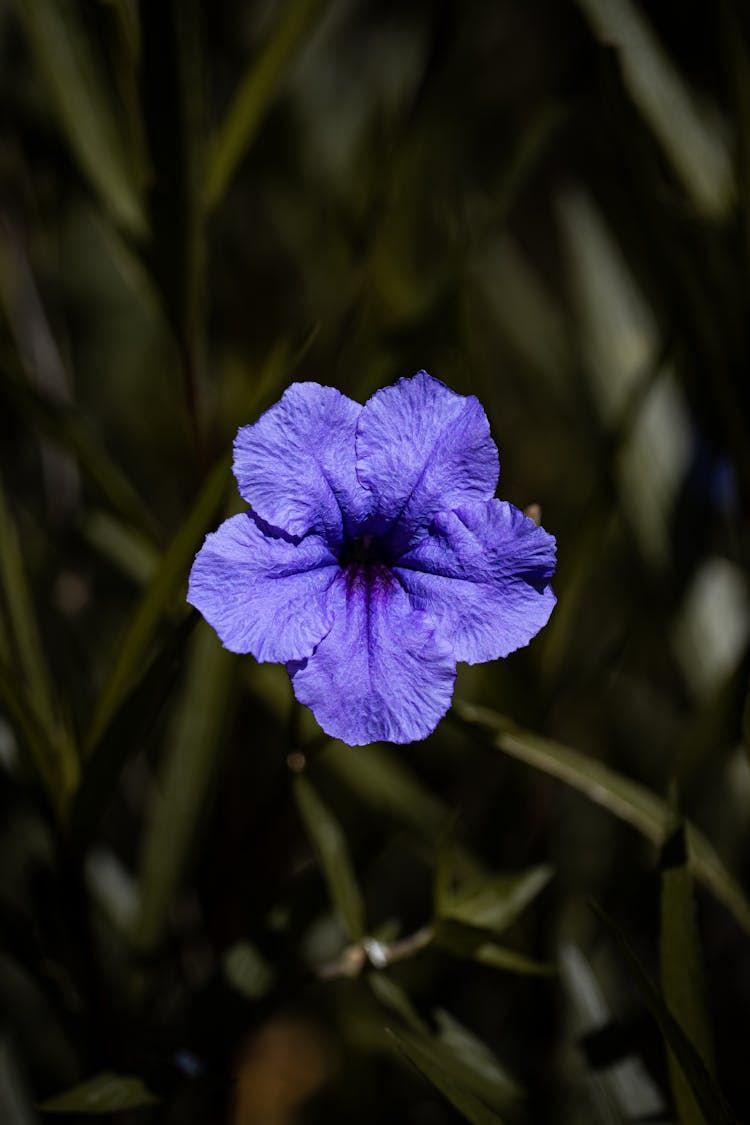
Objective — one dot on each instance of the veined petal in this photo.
(422, 449)
(482, 573)
(296, 464)
(380, 674)
(263, 594)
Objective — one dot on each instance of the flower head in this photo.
(374, 556)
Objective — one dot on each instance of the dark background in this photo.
(545, 204)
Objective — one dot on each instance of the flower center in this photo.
(366, 565)
(364, 550)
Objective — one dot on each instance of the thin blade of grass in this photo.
(130, 731)
(104, 1093)
(430, 1061)
(256, 93)
(48, 738)
(707, 1094)
(192, 756)
(158, 598)
(682, 979)
(64, 425)
(330, 844)
(79, 97)
(626, 799)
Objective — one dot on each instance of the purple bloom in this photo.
(374, 557)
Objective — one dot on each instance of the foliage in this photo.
(209, 910)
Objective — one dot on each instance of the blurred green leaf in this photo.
(172, 41)
(333, 852)
(625, 798)
(492, 902)
(746, 724)
(130, 731)
(130, 551)
(158, 597)
(397, 1000)
(193, 753)
(248, 971)
(105, 1093)
(706, 1092)
(80, 98)
(499, 957)
(623, 1091)
(42, 753)
(438, 1065)
(682, 979)
(256, 93)
(491, 1080)
(64, 424)
(34, 705)
(381, 780)
(471, 944)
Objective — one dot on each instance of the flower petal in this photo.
(296, 464)
(483, 574)
(380, 674)
(263, 594)
(422, 449)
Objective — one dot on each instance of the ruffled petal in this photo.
(296, 464)
(380, 674)
(482, 573)
(263, 594)
(421, 449)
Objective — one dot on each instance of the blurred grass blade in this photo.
(621, 1091)
(626, 799)
(396, 1000)
(65, 425)
(737, 63)
(499, 957)
(158, 597)
(173, 82)
(256, 93)
(492, 1081)
(247, 971)
(105, 1093)
(130, 731)
(430, 1061)
(746, 724)
(381, 780)
(492, 903)
(34, 707)
(132, 554)
(192, 758)
(682, 979)
(43, 754)
(330, 844)
(689, 131)
(707, 1094)
(80, 99)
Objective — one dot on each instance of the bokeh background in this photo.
(208, 911)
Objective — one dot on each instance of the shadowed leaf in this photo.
(34, 706)
(256, 93)
(130, 731)
(193, 754)
(492, 903)
(105, 1093)
(438, 1065)
(80, 99)
(158, 597)
(330, 844)
(625, 798)
(707, 1094)
(682, 979)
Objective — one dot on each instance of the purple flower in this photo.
(374, 557)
